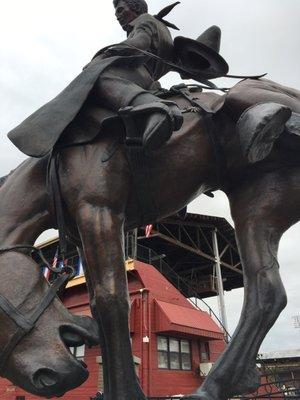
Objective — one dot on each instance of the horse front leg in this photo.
(93, 307)
(260, 220)
(101, 231)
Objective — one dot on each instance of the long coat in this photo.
(38, 134)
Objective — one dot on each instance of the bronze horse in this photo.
(100, 203)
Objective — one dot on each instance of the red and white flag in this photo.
(55, 259)
(148, 230)
(47, 271)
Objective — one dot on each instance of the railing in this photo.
(274, 387)
(164, 398)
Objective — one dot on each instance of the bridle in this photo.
(25, 324)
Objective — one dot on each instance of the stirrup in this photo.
(134, 125)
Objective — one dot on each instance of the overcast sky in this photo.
(45, 44)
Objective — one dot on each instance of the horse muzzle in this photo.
(49, 383)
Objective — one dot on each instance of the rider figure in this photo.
(130, 84)
(122, 80)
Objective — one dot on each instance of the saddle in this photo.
(247, 93)
(93, 120)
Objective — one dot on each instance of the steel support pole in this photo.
(220, 288)
(135, 234)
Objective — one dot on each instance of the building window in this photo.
(20, 398)
(204, 351)
(174, 353)
(78, 352)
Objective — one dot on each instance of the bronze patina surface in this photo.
(101, 200)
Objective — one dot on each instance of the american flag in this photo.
(47, 273)
(54, 263)
(55, 259)
(148, 230)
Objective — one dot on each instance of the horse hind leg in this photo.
(260, 221)
(235, 372)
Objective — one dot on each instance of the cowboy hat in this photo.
(201, 57)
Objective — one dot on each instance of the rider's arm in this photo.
(141, 37)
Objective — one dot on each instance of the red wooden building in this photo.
(170, 338)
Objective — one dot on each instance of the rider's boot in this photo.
(293, 125)
(291, 136)
(160, 126)
(259, 127)
(150, 124)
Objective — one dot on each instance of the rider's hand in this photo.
(119, 50)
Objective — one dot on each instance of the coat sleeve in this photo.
(141, 37)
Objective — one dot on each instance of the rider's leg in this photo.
(156, 119)
(260, 220)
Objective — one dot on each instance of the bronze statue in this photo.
(245, 143)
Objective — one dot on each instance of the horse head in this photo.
(38, 359)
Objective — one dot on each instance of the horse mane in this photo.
(4, 178)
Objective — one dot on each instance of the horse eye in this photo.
(120, 9)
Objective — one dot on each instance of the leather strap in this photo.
(14, 314)
(206, 84)
(25, 325)
(55, 195)
(141, 176)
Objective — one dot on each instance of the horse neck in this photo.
(25, 275)
(24, 213)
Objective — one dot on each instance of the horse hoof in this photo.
(202, 395)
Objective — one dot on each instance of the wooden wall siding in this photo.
(216, 347)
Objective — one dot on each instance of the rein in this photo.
(25, 324)
(205, 83)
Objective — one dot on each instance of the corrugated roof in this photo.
(218, 222)
(280, 354)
